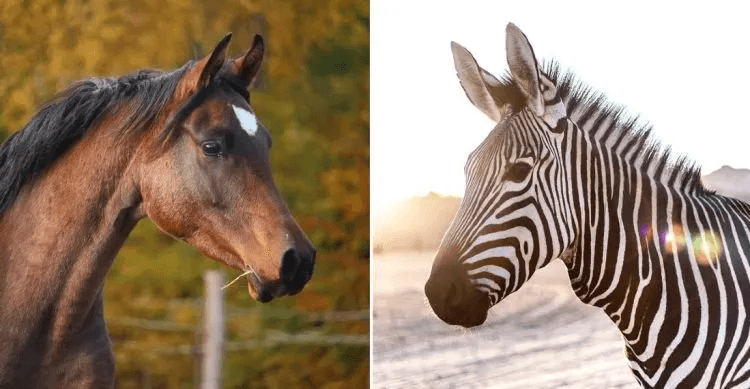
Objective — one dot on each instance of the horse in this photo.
(183, 148)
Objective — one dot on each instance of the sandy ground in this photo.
(539, 337)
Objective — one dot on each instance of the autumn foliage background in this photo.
(314, 99)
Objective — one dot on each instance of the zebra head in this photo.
(514, 217)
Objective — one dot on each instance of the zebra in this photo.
(566, 174)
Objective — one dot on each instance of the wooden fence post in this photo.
(213, 330)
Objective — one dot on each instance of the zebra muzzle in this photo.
(453, 298)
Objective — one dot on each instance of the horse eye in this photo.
(517, 172)
(211, 148)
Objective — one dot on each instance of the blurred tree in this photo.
(314, 98)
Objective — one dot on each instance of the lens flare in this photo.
(707, 248)
(674, 240)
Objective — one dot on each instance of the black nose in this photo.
(289, 265)
(446, 291)
(453, 297)
(297, 268)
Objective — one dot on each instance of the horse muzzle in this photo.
(297, 266)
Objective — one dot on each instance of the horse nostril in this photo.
(289, 265)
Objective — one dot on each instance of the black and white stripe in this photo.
(665, 258)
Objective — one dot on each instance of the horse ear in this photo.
(204, 70)
(248, 65)
(478, 83)
(523, 67)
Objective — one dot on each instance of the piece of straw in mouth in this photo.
(238, 277)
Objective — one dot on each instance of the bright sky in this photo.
(683, 67)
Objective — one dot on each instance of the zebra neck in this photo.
(659, 260)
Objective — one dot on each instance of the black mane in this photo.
(581, 100)
(69, 115)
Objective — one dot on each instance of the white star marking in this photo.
(248, 121)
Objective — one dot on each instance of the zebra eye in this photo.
(517, 172)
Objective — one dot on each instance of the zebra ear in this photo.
(523, 67)
(477, 82)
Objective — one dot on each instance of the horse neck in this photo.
(59, 238)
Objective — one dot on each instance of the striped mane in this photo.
(584, 104)
(68, 116)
